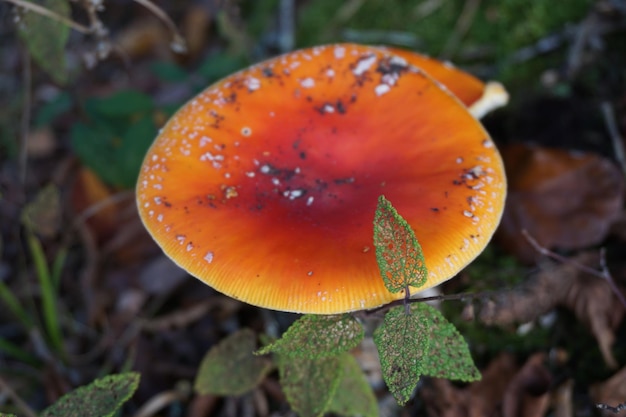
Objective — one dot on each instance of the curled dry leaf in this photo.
(505, 390)
(564, 199)
(588, 296)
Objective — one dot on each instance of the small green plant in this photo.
(317, 373)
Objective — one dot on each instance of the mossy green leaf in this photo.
(449, 356)
(230, 368)
(46, 37)
(403, 342)
(354, 396)
(318, 336)
(309, 384)
(398, 253)
(103, 397)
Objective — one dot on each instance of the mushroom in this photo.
(265, 185)
(480, 98)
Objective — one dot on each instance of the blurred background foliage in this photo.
(514, 41)
(79, 111)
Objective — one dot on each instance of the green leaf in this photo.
(115, 158)
(318, 336)
(7, 415)
(46, 37)
(402, 341)
(354, 396)
(120, 104)
(220, 65)
(230, 368)
(49, 296)
(309, 384)
(103, 397)
(398, 253)
(12, 303)
(448, 357)
(96, 147)
(57, 106)
(10, 349)
(169, 71)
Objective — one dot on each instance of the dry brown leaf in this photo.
(527, 394)
(588, 296)
(564, 199)
(481, 398)
(611, 392)
(505, 390)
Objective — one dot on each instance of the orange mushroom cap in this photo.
(265, 185)
(479, 97)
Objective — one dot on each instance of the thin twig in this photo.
(443, 297)
(34, 7)
(17, 400)
(604, 273)
(616, 138)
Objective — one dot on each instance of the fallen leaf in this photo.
(611, 392)
(505, 390)
(588, 296)
(564, 199)
(480, 398)
(527, 393)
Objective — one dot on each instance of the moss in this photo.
(497, 30)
